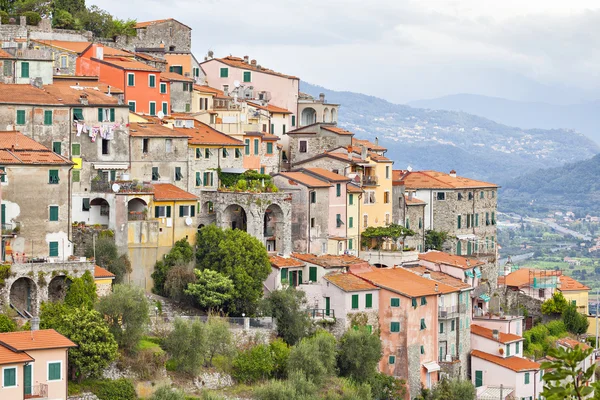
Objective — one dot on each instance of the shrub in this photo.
(280, 352)
(315, 357)
(147, 363)
(4, 17)
(297, 387)
(7, 324)
(166, 393)
(253, 364)
(359, 353)
(32, 17)
(177, 280)
(119, 389)
(218, 338)
(556, 327)
(186, 344)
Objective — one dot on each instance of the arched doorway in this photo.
(308, 116)
(99, 211)
(326, 115)
(234, 217)
(273, 228)
(137, 209)
(57, 289)
(23, 296)
(333, 115)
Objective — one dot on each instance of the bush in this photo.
(119, 389)
(297, 387)
(176, 282)
(32, 17)
(359, 353)
(280, 352)
(4, 17)
(166, 393)
(253, 364)
(186, 344)
(7, 324)
(387, 387)
(315, 357)
(147, 363)
(556, 327)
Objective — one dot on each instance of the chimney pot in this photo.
(246, 58)
(437, 288)
(453, 173)
(377, 140)
(253, 62)
(322, 97)
(495, 334)
(35, 324)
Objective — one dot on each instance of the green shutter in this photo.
(441, 327)
(53, 249)
(354, 301)
(423, 301)
(130, 79)
(312, 274)
(48, 117)
(351, 222)
(293, 120)
(508, 350)
(192, 211)
(20, 117)
(198, 180)
(477, 219)
(247, 145)
(152, 108)
(163, 88)
(368, 300)
(338, 220)
(351, 199)
(284, 275)
(152, 81)
(338, 189)
(395, 327)
(155, 174)
(313, 197)
(53, 213)
(10, 377)
(53, 176)
(156, 212)
(76, 149)
(527, 378)
(113, 175)
(273, 128)
(349, 244)
(181, 210)
(414, 302)
(168, 211)
(224, 72)
(478, 379)
(395, 302)
(269, 148)
(458, 248)
(247, 76)
(206, 178)
(517, 348)
(57, 147)
(423, 326)
(422, 349)
(255, 146)
(24, 70)
(459, 221)
(392, 359)
(112, 115)
(54, 372)
(3, 175)
(76, 176)
(100, 115)
(78, 114)
(132, 106)
(165, 107)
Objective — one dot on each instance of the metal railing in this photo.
(447, 312)
(239, 322)
(369, 180)
(103, 186)
(321, 313)
(39, 391)
(11, 228)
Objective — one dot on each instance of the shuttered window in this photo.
(312, 274)
(293, 120)
(53, 249)
(48, 117)
(76, 149)
(247, 76)
(132, 106)
(392, 360)
(165, 107)
(269, 148)
(76, 176)
(247, 146)
(163, 88)
(53, 177)
(130, 79)
(351, 222)
(395, 302)
(414, 303)
(53, 213)
(478, 379)
(423, 301)
(9, 378)
(152, 108)
(395, 327)
(369, 300)
(20, 117)
(152, 81)
(355, 302)
(54, 371)
(256, 142)
(224, 72)
(423, 326)
(24, 70)
(198, 180)
(56, 147)
(155, 174)
(284, 275)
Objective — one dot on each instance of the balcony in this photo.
(137, 215)
(321, 313)
(448, 312)
(369, 180)
(11, 229)
(39, 391)
(102, 186)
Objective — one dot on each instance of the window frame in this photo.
(224, 72)
(24, 64)
(60, 363)
(249, 74)
(393, 325)
(51, 208)
(21, 114)
(130, 79)
(132, 103)
(150, 108)
(393, 302)
(48, 116)
(151, 80)
(355, 302)
(161, 86)
(303, 146)
(16, 377)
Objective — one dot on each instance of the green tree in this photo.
(107, 256)
(179, 277)
(288, 306)
(122, 27)
(455, 389)
(253, 364)
(42, 7)
(434, 240)
(239, 256)
(166, 393)
(95, 20)
(280, 352)
(63, 20)
(575, 322)
(82, 292)
(212, 290)
(71, 6)
(181, 254)
(564, 377)
(387, 387)
(126, 311)
(218, 339)
(554, 305)
(296, 387)
(315, 357)
(187, 344)
(96, 346)
(7, 324)
(359, 352)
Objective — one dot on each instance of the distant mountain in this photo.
(572, 187)
(445, 140)
(583, 117)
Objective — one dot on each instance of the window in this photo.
(131, 106)
(312, 222)
(152, 80)
(224, 72)
(163, 88)
(394, 327)
(106, 114)
(351, 222)
(48, 117)
(284, 275)
(350, 244)
(487, 218)
(272, 128)
(441, 196)
(20, 117)
(313, 197)
(53, 249)
(423, 301)
(178, 174)
(196, 71)
(53, 177)
(55, 371)
(392, 360)
(458, 249)
(238, 153)
(262, 170)
(302, 145)
(355, 302)
(420, 222)
(105, 146)
(423, 326)
(293, 120)
(75, 149)
(224, 152)
(24, 70)
(478, 379)
(247, 76)
(283, 129)
(338, 189)
(256, 146)
(162, 211)
(130, 79)
(145, 144)
(441, 327)
(460, 196)
(208, 179)
(269, 148)
(56, 147)
(152, 108)
(422, 349)
(351, 199)
(387, 172)
(395, 302)
(338, 220)
(459, 221)
(9, 377)
(493, 218)
(53, 213)
(85, 205)
(517, 348)
(414, 302)
(493, 194)
(508, 350)
(168, 145)
(247, 146)
(8, 66)
(470, 195)
(76, 175)
(312, 274)
(187, 211)
(481, 194)
(369, 300)
(207, 153)
(198, 180)
(155, 174)
(527, 378)
(477, 219)
(365, 221)
(165, 108)
(407, 224)
(452, 326)
(386, 197)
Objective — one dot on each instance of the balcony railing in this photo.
(137, 215)
(39, 391)
(369, 180)
(447, 358)
(447, 312)
(103, 186)
(321, 313)
(11, 229)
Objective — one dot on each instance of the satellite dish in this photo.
(116, 187)
(188, 221)
(236, 83)
(160, 115)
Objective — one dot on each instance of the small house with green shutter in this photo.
(285, 271)
(318, 266)
(353, 301)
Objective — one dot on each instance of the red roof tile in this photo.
(203, 134)
(369, 145)
(211, 90)
(405, 282)
(146, 24)
(100, 272)
(239, 63)
(169, 192)
(352, 188)
(349, 282)
(336, 129)
(8, 356)
(145, 129)
(73, 47)
(414, 201)
(16, 148)
(568, 284)
(270, 108)
(489, 334)
(328, 175)
(284, 262)
(4, 54)
(440, 277)
(440, 180)
(524, 277)
(515, 363)
(329, 261)
(126, 63)
(572, 343)
(175, 77)
(305, 179)
(439, 257)
(35, 340)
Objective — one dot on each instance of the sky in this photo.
(402, 50)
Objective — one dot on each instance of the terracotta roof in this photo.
(239, 63)
(514, 363)
(8, 356)
(352, 188)
(126, 63)
(524, 277)
(378, 158)
(440, 257)
(167, 191)
(16, 148)
(369, 145)
(4, 54)
(71, 95)
(397, 175)
(172, 76)
(305, 179)
(25, 94)
(440, 277)
(284, 262)
(440, 180)
(208, 89)
(330, 176)
(145, 129)
(35, 340)
(203, 134)
(100, 272)
(73, 47)
(489, 334)
(146, 24)
(349, 282)
(569, 284)
(336, 129)
(405, 282)
(112, 52)
(572, 343)
(267, 137)
(329, 261)
(414, 201)
(270, 108)
(87, 82)
(148, 57)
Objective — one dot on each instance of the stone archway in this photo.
(137, 209)
(308, 116)
(235, 217)
(57, 288)
(99, 211)
(273, 221)
(23, 296)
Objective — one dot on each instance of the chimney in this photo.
(161, 45)
(83, 99)
(37, 82)
(322, 97)
(453, 173)
(436, 288)
(363, 153)
(23, 21)
(35, 324)
(410, 195)
(427, 275)
(376, 140)
(246, 58)
(100, 53)
(496, 334)
(253, 62)
(109, 90)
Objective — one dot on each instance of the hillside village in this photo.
(142, 142)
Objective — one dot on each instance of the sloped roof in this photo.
(203, 134)
(238, 62)
(73, 47)
(72, 94)
(305, 179)
(524, 276)
(87, 82)
(440, 277)
(112, 52)
(489, 334)
(145, 129)
(270, 108)
(285, 262)
(369, 145)
(378, 158)
(16, 148)
(514, 363)
(439, 257)
(126, 63)
(35, 340)
(441, 180)
(146, 24)
(100, 273)
(352, 188)
(8, 356)
(572, 343)
(329, 261)
(329, 175)
(173, 76)
(56, 95)
(212, 90)
(405, 282)
(568, 284)
(349, 282)
(167, 191)
(414, 201)
(4, 54)
(335, 129)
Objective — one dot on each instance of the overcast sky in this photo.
(403, 50)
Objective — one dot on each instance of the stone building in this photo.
(410, 213)
(169, 35)
(180, 89)
(24, 66)
(64, 54)
(311, 140)
(311, 110)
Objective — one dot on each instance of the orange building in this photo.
(144, 92)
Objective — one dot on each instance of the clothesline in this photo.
(105, 131)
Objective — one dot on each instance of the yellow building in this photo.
(575, 293)
(175, 209)
(354, 195)
(377, 184)
(103, 280)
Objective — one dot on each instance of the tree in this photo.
(315, 357)
(575, 322)
(212, 290)
(253, 364)
(126, 311)
(383, 234)
(434, 240)
(359, 352)
(122, 27)
(453, 389)
(63, 19)
(187, 344)
(82, 292)
(96, 346)
(555, 305)
(182, 254)
(71, 6)
(107, 256)
(280, 352)
(239, 256)
(7, 324)
(177, 281)
(95, 20)
(564, 376)
(288, 306)
(166, 393)
(387, 387)
(218, 339)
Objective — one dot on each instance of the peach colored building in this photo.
(408, 319)
(34, 365)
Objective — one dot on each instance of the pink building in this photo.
(34, 365)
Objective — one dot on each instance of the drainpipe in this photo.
(309, 227)
(69, 211)
(358, 244)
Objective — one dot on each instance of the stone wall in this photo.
(170, 35)
(315, 145)
(180, 98)
(82, 238)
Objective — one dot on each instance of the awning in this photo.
(484, 297)
(233, 170)
(431, 366)
(111, 166)
(466, 237)
(338, 238)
